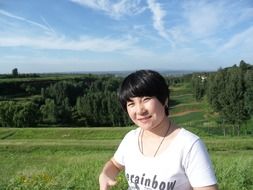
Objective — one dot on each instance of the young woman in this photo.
(158, 155)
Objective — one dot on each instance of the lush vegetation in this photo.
(78, 100)
(63, 100)
(229, 93)
(71, 158)
(222, 99)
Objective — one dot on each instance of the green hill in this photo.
(197, 115)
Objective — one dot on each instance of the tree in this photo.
(100, 108)
(64, 112)
(227, 92)
(49, 111)
(233, 105)
(26, 115)
(15, 72)
(7, 110)
(248, 78)
(15, 114)
(199, 85)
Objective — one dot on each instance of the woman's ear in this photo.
(166, 107)
(166, 102)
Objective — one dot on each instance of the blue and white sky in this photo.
(112, 35)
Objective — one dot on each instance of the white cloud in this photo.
(235, 13)
(115, 10)
(242, 40)
(12, 16)
(47, 38)
(209, 26)
(61, 43)
(197, 20)
(204, 19)
(49, 27)
(158, 18)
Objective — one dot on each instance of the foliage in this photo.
(248, 78)
(15, 72)
(100, 108)
(91, 100)
(230, 94)
(48, 111)
(199, 81)
(13, 114)
(88, 100)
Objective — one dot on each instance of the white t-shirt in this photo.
(183, 165)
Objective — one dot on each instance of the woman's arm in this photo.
(108, 174)
(211, 187)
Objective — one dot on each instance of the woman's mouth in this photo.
(144, 119)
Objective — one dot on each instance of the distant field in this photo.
(59, 158)
(184, 105)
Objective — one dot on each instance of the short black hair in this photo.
(144, 83)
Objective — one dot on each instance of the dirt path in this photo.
(184, 104)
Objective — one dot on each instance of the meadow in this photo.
(71, 158)
(56, 158)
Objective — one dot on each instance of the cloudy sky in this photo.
(112, 35)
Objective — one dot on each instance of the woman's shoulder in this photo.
(132, 133)
(186, 137)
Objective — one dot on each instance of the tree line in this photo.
(91, 100)
(88, 101)
(229, 92)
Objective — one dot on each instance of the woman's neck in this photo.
(160, 130)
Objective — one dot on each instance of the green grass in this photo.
(234, 169)
(37, 161)
(64, 133)
(189, 118)
(181, 89)
(187, 107)
(32, 159)
(44, 170)
(183, 99)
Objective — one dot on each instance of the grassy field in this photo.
(72, 158)
(55, 158)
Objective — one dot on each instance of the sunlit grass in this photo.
(64, 133)
(76, 163)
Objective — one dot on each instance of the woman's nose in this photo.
(140, 109)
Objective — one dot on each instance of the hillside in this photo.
(196, 115)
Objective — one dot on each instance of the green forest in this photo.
(90, 100)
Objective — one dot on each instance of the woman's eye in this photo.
(130, 104)
(146, 98)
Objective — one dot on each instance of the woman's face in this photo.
(146, 112)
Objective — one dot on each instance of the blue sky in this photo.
(103, 35)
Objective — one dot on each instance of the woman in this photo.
(158, 154)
